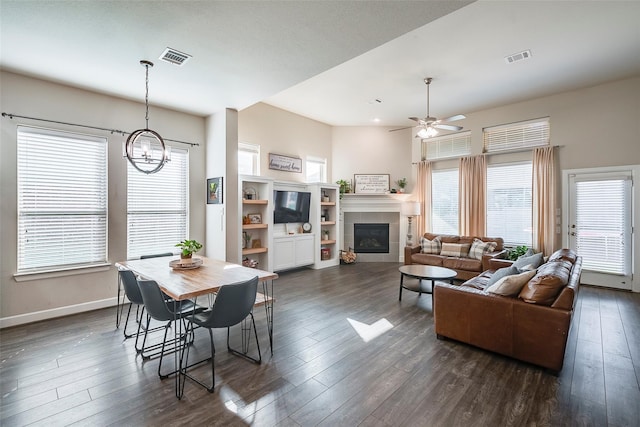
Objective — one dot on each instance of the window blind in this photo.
(157, 207)
(444, 201)
(515, 136)
(316, 169)
(601, 222)
(62, 199)
(248, 159)
(443, 147)
(509, 203)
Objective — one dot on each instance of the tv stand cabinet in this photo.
(293, 251)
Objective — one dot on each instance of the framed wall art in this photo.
(214, 191)
(371, 183)
(285, 163)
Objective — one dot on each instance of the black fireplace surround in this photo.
(371, 238)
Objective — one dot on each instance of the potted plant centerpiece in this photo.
(188, 248)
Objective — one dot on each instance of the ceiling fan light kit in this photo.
(145, 149)
(428, 127)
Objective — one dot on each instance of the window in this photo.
(316, 169)
(248, 159)
(602, 223)
(515, 136)
(444, 201)
(157, 207)
(509, 203)
(62, 200)
(448, 146)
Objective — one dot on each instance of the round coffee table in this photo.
(424, 272)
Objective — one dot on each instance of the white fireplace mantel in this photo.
(372, 203)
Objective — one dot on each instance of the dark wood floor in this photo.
(79, 371)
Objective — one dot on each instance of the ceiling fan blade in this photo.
(447, 127)
(407, 127)
(415, 119)
(454, 118)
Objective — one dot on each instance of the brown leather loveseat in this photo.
(531, 326)
(466, 267)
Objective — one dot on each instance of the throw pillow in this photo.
(502, 272)
(535, 260)
(510, 286)
(479, 248)
(455, 249)
(430, 246)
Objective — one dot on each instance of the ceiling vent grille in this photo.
(174, 57)
(520, 56)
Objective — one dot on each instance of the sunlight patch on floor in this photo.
(369, 332)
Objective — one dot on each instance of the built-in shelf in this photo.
(328, 242)
(327, 203)
(253, 226)
(254, 202)
(328, 223)
(252, 251)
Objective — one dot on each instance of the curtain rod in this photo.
(520, 150)
(112, 131)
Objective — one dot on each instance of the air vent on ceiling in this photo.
(174, 57)
(520, 56)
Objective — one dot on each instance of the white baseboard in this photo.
(36, 316)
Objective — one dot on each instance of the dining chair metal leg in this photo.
(246, 336)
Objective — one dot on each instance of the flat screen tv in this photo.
(291, 206)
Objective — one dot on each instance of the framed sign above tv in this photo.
(285, 163)
(371, 183)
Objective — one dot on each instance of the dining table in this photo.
(202, 277)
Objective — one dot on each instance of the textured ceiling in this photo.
(327, 60)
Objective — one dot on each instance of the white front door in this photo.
(599, 227)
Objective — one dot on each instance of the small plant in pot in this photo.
(345, 187)
(188, 248)
(402, 183)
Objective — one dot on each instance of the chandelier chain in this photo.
(146, 96)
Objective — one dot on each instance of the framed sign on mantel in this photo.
(285, 163)
(371, 183)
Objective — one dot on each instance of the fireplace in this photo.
(371, 238)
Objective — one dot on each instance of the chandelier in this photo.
(145, 148)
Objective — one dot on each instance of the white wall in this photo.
(281, 132)
(36, 98)
(372, 150)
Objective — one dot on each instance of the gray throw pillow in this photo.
(502, 272)
(530, 262)
(528, 253)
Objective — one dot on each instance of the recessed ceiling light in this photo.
(174, 57)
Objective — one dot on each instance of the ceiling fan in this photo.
(428, 127)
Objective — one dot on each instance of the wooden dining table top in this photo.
(183, 284)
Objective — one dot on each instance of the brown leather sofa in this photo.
(465, 267)
(535, 331)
